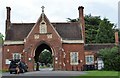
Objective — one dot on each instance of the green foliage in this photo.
(72, 20)
(111, 58)
(97, 30)
(105, 32)
(91, 27)
(1, 38)
(45, 57)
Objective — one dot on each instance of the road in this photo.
(47, 73)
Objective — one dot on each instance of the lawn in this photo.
(101, 73)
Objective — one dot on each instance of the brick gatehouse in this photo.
(65, 41)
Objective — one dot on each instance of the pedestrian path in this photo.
(48, 73)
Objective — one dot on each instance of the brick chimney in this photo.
(8, 22)
(81, 20)
(116, 38)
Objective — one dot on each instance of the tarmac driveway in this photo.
(47, 73)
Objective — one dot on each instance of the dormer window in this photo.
(43, 28)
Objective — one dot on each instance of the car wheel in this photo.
(26, 70)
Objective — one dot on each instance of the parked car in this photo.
(17, 63)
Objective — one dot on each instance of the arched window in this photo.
(43, 28)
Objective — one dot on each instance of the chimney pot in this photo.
(8, 13)
(80, 7)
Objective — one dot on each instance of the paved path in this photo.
(48, 73)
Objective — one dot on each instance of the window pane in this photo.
(89, 59)
(74, 57)
(43, 28)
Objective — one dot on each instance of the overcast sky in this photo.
(28, 11)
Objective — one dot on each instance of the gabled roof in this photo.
(67, 31)
(19, 31)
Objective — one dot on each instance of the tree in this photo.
(105, 32)
(95, 28)
(72, 20)
(45, 57)
(111, 58)
(91, 27)
(1, 38)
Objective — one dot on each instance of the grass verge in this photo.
(101, 73)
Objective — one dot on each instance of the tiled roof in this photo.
(97, 47)
(19, 31)
(68, 31)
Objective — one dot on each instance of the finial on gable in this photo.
(42, 13)
(42, 9)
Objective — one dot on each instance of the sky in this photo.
(28, 11)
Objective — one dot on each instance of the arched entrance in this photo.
(43, 56)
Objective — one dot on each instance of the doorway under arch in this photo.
(44, 51)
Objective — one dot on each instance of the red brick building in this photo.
(27, 40)
(65, 41)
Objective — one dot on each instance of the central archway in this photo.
(43, 48)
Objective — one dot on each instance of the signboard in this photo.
(7, 61)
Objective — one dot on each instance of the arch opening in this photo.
(43, 57)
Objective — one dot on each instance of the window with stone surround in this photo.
(16, 56)
(74, 58)
(89, 59)
(43, 28)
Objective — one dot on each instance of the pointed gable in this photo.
(43, 27)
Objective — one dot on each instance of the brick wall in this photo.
(8, 50)
(74, 48)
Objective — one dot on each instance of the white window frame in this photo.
(18, 56)
(88, 59)
(43, 27)
(74, 58)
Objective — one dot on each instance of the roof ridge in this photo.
(64, 22)
(22, 23)
(51, 23)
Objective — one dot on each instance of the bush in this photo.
(111, 58)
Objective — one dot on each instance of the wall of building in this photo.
(35, 38)
(73, 48)
(91, 61)
(8, 50)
